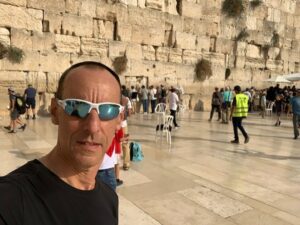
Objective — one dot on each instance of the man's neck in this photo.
(74, 176)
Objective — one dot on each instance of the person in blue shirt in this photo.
(29, 95)
(295, 102)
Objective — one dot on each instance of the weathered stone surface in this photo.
(65, 43)
(109, 30)
(170, 7)
(88, 8)
(273, 53)
(190, 9)
(54, 62)
(130, 2)
(53, 5)
(203, 43)
(141, 3)
(4, 36)
(52, 78)
(170, 38)
(162, 54)
(148, 52)
(297, 33)
(38, 80)
(154, 4)
(12, 76)
(124, 32)
(224, 45)
(29, 19)
(150, 35)
(190, 56)
(55, 22)
(251, 23)
(254, 63)
(73, 6)
(175, 55)
(43, 42)
(134, 51)
(21, 38)
(253, 51)
(75, 58)
(116, 49)
(14, 2)
(79, 26)
(241, 48)
(94, 46)
(185, 40)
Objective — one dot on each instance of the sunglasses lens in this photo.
(77, 108)
(108, 111)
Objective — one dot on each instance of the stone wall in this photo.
(162, 40)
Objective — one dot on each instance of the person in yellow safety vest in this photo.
(239, 111)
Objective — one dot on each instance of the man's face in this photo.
(83, 142)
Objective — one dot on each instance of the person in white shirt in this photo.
(125, 145)
(173, 101)
(152, 96)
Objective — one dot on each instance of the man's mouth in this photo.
(88, 143)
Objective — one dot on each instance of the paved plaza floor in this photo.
(202, 179)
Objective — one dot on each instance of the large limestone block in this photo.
(12, 76)
(224, 45)
(154, 4)
(124, 32)
(297, 33)
(141, 68)
(170, 7)
(170, 38)
(190, 56)
(273, 3)
(103, 29)
(52, 81)
(4, 36)
(241, 48)
(253, 51)
(203, 43)
(145, 17)
(65, 43)
(109, 30)
(55, 22)
(275, 65)
(175, 55)
(75, 58)
(21, 38)
(191, 25)
(88, 8)
(54, 62)
(73, 6)
(190, 9)
(173, 22)
(149, 35)
(53, 5)
(162, 54)
(94, 46)
(251, 23)
(294, 56)
(254, 63)
(273, 53)
(185, 40)
(288, 6)
(148, 52)
(297, 9)
(30, 19)
(296, 45)
(130, 2)
(78, 25)
(274, 15)
(14, 2)
(30, 62)
(38, 80)
(43, 42)
(134, 51)
(217, 59)
(116, 49)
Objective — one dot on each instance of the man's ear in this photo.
(54, 111)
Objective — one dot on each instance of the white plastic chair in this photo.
(269, 109)
(160, 108)
(165, 127)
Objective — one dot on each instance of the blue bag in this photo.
(136, 153)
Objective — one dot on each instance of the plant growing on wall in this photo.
(242, 35)
(255, 3)
(275, 39)
(233, 8)
(203, 70)
(13, 54)
(227, 73)
(120, 64)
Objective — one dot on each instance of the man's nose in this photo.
(93, 122)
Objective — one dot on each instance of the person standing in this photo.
(227, 97)
(295, 102)
(144, 95)
(152, 95)
(29, 95)
(125, 145)
(61, 187)
(239, 111)
(14, 113)
(263, 103)
(216, 102)
(173, 101)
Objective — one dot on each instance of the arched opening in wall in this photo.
(212, 46)
(179, 7)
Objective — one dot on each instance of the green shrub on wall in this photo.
(203, 70)
(233, 8)
(120, 64)
(13, 54)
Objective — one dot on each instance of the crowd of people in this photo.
(275, 99)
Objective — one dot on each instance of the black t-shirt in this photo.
(33, 195)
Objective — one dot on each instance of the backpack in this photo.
(136, 153)
(20, 104)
